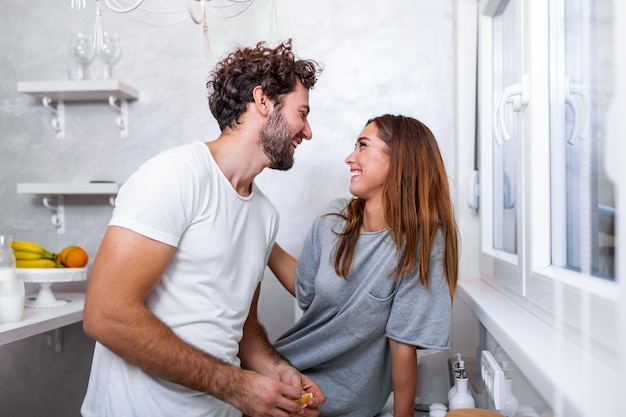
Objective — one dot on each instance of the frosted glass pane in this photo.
(505, 67)
(583, 198)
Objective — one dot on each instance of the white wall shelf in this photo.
(54, 94)
(57, 191)
(68, 188)
(41, 320)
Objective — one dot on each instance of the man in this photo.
(172, 295)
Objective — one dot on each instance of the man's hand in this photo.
(291, 376)
(265, 400)
(259, 396)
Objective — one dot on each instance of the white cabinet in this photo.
(54, 94)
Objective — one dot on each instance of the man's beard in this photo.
(276, 140)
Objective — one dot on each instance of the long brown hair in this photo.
(416, 203)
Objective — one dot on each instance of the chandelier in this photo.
(195, 9)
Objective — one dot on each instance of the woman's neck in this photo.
(373, 217)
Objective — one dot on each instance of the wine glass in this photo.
(83, 52)
(110, 53)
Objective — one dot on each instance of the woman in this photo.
(377, 274)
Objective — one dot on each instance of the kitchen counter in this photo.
(415, 414)
(44, 319)
(387, 410)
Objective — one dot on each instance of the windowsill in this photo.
(555, 366)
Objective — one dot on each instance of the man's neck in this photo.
(240, 159)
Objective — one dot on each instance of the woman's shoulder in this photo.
(336, 206)
(332, 216)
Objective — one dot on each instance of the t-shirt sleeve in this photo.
(309, 261)
(154, 201)
(421, 316)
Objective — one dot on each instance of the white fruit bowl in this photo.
(45, 277)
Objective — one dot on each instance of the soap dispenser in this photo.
(455, 371)
(461, 397)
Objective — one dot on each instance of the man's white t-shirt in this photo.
(223, 242)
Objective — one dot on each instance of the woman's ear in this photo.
(261, 101)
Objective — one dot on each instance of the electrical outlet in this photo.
(493, 377)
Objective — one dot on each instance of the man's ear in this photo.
(261, 101)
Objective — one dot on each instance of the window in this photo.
(550, 121)
(547, 207)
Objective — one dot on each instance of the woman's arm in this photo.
(283, 266)
(404, 378)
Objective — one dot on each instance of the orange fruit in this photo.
(77, 257)
(61, 255)
(304, 399)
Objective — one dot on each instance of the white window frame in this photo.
(496, 265)
(530, 273)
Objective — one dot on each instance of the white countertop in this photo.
(44, 319)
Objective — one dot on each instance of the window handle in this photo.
(515, 94)
(574, 89)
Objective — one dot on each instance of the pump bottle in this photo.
(461, 397)
(457, 366)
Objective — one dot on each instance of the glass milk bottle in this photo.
(12, 294)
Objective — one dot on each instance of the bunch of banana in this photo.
(33, 255)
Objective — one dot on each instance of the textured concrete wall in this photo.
(378, 57)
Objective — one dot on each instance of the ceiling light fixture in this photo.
(195, 9)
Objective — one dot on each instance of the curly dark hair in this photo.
(274, 70)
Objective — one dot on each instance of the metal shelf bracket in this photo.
(122, 113)
(58, 113)
(55, 340)
(58, 212)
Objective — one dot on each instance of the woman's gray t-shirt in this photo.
(341, 339)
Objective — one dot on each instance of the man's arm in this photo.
(257, 354)
(127, 267)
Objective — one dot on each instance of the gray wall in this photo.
(378, 57)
